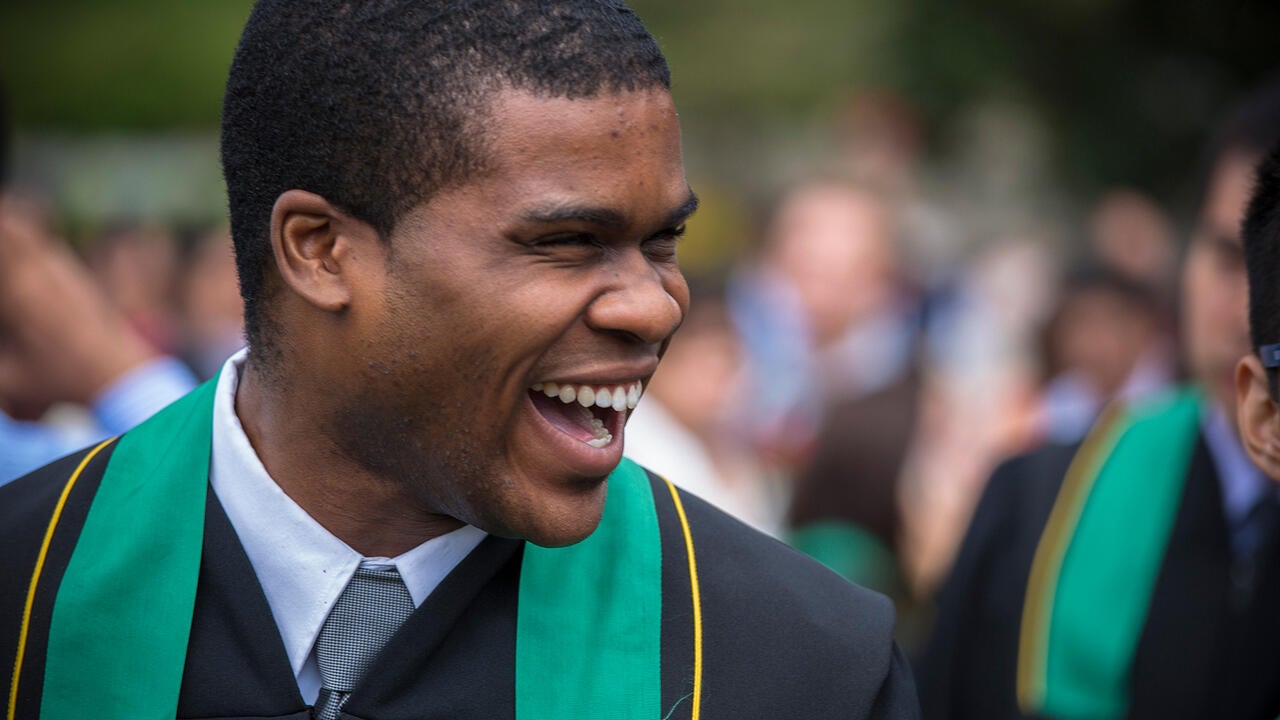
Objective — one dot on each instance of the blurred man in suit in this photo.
(1132, 575)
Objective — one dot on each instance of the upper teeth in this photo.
(618, 397)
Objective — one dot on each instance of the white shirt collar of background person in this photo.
(1241, 483)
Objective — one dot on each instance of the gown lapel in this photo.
(237, 666)
(1182, 643)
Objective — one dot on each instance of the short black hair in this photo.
(1261, 237)
(377, 104)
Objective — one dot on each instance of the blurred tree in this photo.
(81, 65)
(1127, 88)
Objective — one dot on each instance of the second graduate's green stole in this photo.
(589, 616)
(1096, 565)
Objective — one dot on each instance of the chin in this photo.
(562, 521)
(561, 537)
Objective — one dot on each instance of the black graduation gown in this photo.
(783, 637)
(1200, 654)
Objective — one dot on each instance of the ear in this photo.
(315, 247)
(1258, 416)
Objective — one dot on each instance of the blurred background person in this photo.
(821, 311)
(845, 508)
(1138, 596)
(137, 267)
(1258, 372)
(829, 284)
(1105, 341)
(978, 389)
(61, 340)
(209, 309)
(1131, 235)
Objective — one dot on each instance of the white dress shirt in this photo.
(302, 567)
(1242, 484)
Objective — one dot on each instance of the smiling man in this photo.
(455, 227)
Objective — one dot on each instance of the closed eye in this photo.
(567, 239)
(662, 246)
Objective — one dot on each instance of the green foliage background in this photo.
(1127, 88)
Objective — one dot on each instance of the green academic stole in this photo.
(589, 615)
(122, 615)
(589, 619)
(1096, 565)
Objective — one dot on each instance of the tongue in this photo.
(570, 418)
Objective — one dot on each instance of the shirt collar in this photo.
(301, 566)
(1241, 482)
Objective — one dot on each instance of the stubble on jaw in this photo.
(400, 424)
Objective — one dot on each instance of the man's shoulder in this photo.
(1024, 487)
(1015, 505)
(41, 514)
(1033, 473)
(782, 634)
(759, 569)
(28, 504)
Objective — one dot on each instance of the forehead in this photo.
(1228, 194)
(623, 146)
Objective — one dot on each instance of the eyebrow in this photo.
(682, 213)
(607, 217)
(1221, 241)
(1211, 233)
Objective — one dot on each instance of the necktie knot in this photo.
(368, 612)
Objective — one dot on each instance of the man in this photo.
(1131, 576)
(455, 228)
(1106, 338)
(1257, 386)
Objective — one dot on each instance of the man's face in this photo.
(1215, 303)
(553, 269)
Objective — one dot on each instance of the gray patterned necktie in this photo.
(370, 610)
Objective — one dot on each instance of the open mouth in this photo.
(591, 414)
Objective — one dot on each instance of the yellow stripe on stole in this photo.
(697, 603)
(35, 576)
(1037, 608)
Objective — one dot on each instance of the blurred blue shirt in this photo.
(134, 397)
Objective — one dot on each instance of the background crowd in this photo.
(934, 235)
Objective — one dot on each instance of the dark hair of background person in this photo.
(1261, 235)
(376, 105)
(1251, 129)
(1085, 279)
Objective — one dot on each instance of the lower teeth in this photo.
(602, 436)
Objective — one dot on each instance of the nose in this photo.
(642, 302)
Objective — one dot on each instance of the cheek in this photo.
(1226, 321)
(1236, 297)
(1201, 309)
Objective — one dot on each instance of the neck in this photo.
(376, 516)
